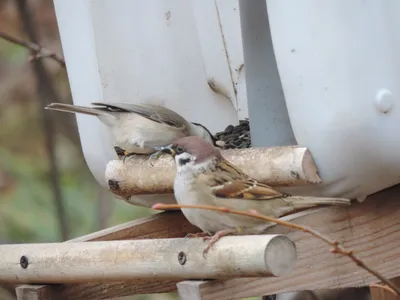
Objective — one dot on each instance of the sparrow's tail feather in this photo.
(305, 202)
(75, 109)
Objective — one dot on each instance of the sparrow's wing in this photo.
(153, 112)
(227, 181)
(246, 189)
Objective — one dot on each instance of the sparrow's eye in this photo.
(179, 150)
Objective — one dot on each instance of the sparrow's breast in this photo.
(186, 192)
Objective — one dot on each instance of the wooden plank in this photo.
(382, 294)
(169, 224)
(371, 228)
(189, 290)
(35, 292)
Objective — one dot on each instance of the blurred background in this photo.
(31, 208)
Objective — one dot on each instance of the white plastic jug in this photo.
(340, 69)
(337, 61)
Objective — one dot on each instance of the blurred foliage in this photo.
(26, 201)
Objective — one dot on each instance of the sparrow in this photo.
(204, 177)
(139, 128)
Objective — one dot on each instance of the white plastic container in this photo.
(339, 65)
(165, 52)
(337, 60)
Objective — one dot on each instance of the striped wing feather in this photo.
(227, 181)
(153, 112)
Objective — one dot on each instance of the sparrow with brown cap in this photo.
(204, 177)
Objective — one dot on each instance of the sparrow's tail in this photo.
(75, 109)
(307, 202)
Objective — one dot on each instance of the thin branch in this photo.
(46, 94)
(37, 50)
(383, 286)
(337, 248)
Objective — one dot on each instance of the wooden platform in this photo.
(371, 228)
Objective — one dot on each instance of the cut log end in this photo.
(280, 255)
(310, 168)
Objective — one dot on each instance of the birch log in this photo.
(277, 166)
(232, 256)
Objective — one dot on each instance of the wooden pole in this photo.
(277, 166)
(232, 256)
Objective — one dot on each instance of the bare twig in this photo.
(46, 94)
(37, 50)
(337, 248)
(383, 286)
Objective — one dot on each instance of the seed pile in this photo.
(236, 137)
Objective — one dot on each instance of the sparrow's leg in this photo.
(123, 153)
(213, 239)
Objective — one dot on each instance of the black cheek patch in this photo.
(184, 161)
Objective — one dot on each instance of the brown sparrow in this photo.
(204, 177)
(139, 128)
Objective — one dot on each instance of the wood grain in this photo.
(232, 257)
(371, 229)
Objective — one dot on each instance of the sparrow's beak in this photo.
(168, 149)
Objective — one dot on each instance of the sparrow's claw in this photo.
(127, 154)
(213, 239)
(155, 155)
(120, 152)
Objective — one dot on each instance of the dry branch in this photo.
(337, 247)
(277, 166)
(235, 256)
(38, 51)
(46, 94)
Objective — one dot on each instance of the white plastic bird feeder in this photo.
(326, 69)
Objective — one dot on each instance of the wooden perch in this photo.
(370, 228)
(277, 166)
(169, 224)
(233, 256)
